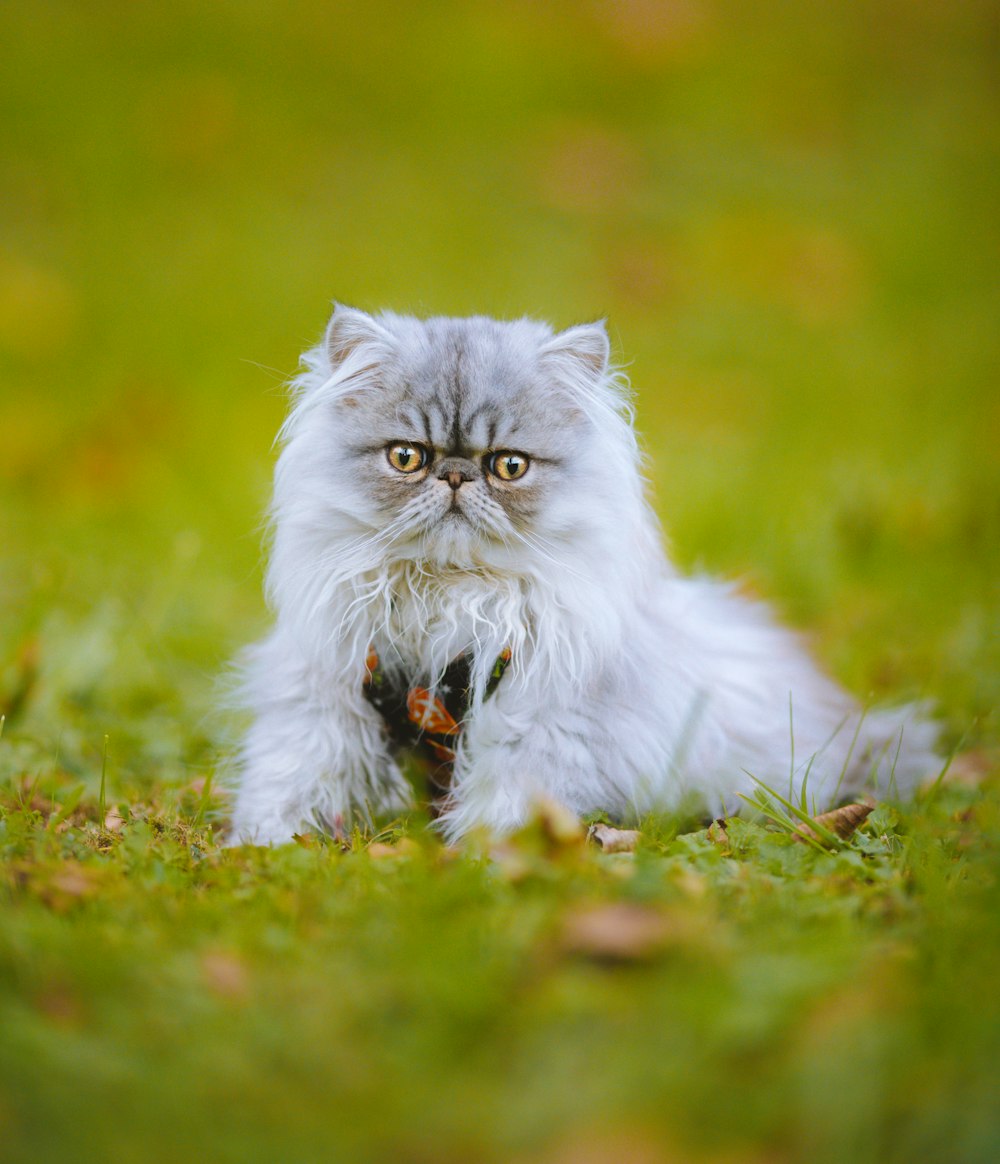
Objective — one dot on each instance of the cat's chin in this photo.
(455, 542)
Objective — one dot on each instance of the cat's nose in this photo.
(456, 471)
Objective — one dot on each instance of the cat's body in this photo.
(465, 487)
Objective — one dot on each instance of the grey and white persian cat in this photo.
(471, 490)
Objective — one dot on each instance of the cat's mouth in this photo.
(455, 510)
(452, 540)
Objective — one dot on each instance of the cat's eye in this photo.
(407, 458)
(507, 466)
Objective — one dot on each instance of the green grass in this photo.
(162, 997)
(788, 214)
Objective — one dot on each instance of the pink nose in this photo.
(457, 470)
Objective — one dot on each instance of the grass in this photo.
(788, 216)
(161, 996)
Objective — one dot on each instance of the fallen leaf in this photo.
(225, 974)
(717, 833)
(690, 883)
(559, 824)
(619, 932)
(612, 840)
(403, 847)
(842, 821)
(68, 884)
(513, 864)
(74, 881)
(378, 849)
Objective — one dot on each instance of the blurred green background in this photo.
(787, 212)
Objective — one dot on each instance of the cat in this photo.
(464, 559)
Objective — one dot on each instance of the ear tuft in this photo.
(350, 329)
(586, 345)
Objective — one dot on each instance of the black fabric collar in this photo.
(429, 722)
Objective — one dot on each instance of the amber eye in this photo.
(508, 466)
(407, 458)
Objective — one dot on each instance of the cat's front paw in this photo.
(265, 834)
(498, 812)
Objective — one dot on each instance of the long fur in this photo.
(631, 687)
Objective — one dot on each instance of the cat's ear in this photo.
(350, 330)
(584, 348)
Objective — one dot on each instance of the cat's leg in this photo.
(314, 757)
(518, 752)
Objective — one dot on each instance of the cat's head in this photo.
(460, 442)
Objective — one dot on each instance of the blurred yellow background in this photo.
(787, 212)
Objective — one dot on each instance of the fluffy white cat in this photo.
(460, 502)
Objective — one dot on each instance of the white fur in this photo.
(631, 687)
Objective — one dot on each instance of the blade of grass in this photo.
(876, 764)
(102, 807)
(795, 812)
(68, 807)
(850, 753)
(936, 786)
(892, 788)
(203, 800)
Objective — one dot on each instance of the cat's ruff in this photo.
(466, 486)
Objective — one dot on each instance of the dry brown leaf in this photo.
(70, 883)
(689, 882)
(842, 821)
(559, 824)
(404, 847)
(612, 840)
(619, 932)
(75, 881)
(378, 850)
(513, 864)
(225, 974)
(717, 833)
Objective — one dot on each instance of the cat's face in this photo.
(459, 441)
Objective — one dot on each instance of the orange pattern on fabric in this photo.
(441, 751)
(429, 713)
(432, 723)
